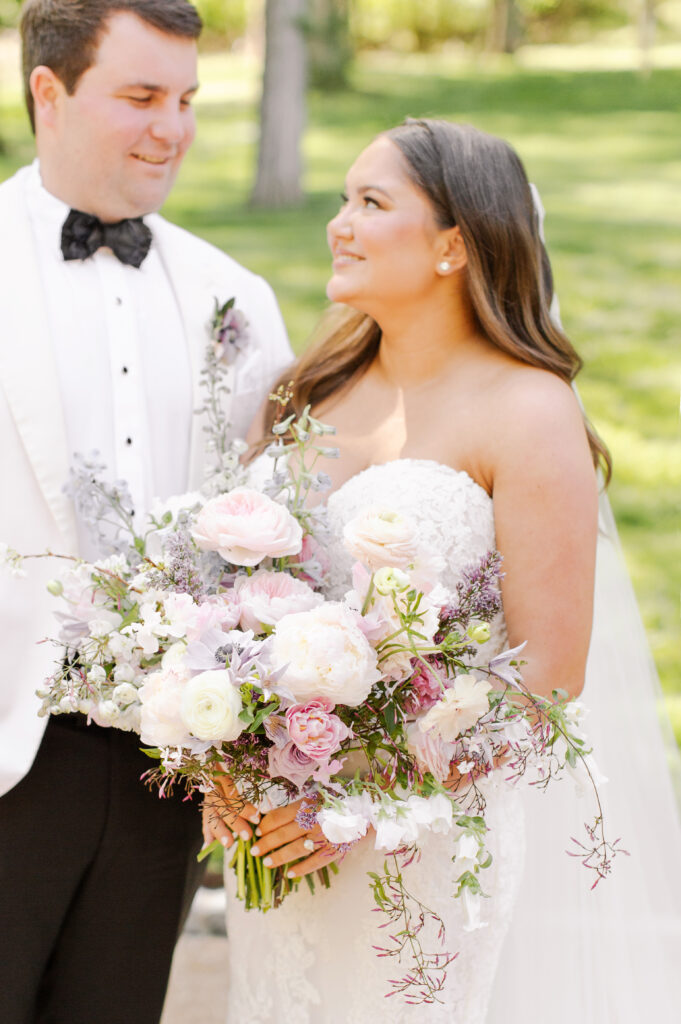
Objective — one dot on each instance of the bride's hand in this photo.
(282, 841)
(225, 816)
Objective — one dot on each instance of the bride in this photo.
(449, 385)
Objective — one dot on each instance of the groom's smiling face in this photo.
(114, 147)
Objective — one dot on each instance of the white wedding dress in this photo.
(312, 961)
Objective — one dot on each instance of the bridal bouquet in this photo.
(210, 635)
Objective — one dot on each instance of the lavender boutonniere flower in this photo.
(228, 331)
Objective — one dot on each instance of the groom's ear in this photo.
(46, 89)
(453, 249)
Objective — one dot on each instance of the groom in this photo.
(100, 348)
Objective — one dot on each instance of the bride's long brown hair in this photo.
(477, 182)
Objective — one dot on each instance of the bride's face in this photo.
(384, 240)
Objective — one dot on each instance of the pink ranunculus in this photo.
(265, 597)
(314, 729)
(245, 526)
(289, 762)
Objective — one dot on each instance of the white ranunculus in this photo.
(211, 705)
(380, 537)
(323, 653)
(342, 825)
(458, 709)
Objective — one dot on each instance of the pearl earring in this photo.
(444, 266)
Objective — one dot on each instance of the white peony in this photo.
(161, 722)
(324, 653)
(458, 709)
(211, 705)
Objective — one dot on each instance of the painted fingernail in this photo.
(254, 818)
(290, 874)
(258, 831)
(226, 842)
(255, 851)
(245, 834)
(309, 844)
(267, 861)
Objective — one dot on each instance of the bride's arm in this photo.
(546, 520)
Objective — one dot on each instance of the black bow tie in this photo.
(83, 234)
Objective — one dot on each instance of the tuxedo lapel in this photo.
(28, 372)
(196, 284)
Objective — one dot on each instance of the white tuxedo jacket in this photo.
(34, 513)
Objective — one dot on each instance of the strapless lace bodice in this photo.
(312, 960)
(454, 515)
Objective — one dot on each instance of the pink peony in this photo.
(189, 620)
(245, 526)
(265, 597)
(426, 690)
(314, 729)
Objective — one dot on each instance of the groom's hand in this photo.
(225, 815)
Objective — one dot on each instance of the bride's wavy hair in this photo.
(477, 182)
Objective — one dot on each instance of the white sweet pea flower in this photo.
(96, 675)
(434, 812)
(459, 708)
(472, 909)
(395, 825)
(341, 824)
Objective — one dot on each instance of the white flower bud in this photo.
(479, 632)
(96, 675)
(390, 580)
(56, 588)
(124, 695)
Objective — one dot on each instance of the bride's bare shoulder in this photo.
(534, 416)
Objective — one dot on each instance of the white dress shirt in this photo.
(122, 360)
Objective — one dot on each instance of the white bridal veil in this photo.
(611, 955)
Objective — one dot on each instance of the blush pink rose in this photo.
(265, 597)
(245, 526)
(314, 729)
(289, 762)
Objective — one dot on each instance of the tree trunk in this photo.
(329, 46)
(503, 33)
(282, 109)
(646, 33)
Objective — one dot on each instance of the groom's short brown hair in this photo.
(64, 34)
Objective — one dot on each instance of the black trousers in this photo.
(96, 876)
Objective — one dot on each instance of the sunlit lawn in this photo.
(603, 147)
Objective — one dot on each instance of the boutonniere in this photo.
(228, 331)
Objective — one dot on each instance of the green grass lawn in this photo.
(603, 148)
